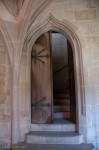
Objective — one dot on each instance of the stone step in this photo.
(62, 115)
(62, 91)
(53, 127)
(25, 146)
(62, 95)
(53, 137)
(59, 108)
(62, 102)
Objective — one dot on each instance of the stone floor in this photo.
(24, 146)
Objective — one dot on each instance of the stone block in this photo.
(90, 95)
(91, 115)
(62, 1)
(90, 42)
(86, 76)
(2, 83)
(97, 146)
(96, 54)
(77, 5)
(12, 29)
(83, 131)
(2, 77)
(87, 57)
(2, 47)
(96, 108)
(83, 26)
(82, 120)
(90, 3)
(97, 132)
(24, 60)
(91, 76)
(23, 131)
(2, 68)
(96, 75)
(23, 74)
(97, 94)
(96, 63)
(1, 39)
(91, 134)
(62, 6)
(2, 57)
(69, 15)
(90, 14)
(58, 14)
(96, 48)
(94, 25)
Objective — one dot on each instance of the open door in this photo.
(41, 75)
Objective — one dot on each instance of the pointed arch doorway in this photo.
(52, 77)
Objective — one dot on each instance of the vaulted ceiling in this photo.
(13, 6)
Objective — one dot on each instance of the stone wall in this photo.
(5, 95)
(84, 14)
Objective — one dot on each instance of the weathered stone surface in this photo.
(89, 14)
(2, 57)
(57, 14)
(91, 75)
(86, 76)
(84, 27)
(90, 3)
(90, 95)
(69, 15)
(62, 6)
(2, 47)
(94, 25)
(78, 5)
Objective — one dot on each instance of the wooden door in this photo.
(71, 82)
(41, 80)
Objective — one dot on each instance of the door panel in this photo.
(41, 80)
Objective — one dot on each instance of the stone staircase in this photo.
(61, 131)
(62, 104)
(55, 133)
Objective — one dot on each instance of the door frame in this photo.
(71, 32)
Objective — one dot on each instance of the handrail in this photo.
(60, 69)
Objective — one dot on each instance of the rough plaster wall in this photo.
(5, 95)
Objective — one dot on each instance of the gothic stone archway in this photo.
(73, 35)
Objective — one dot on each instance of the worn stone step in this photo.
(62, 115)
(53, 127)
(62, 102)
(59, 108)
(53, 137)
(62, 95)
(25, 146)
(62, 91)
